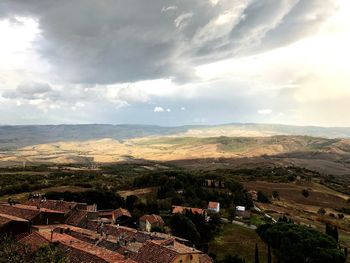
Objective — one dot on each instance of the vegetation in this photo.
(233, 240)
(13, 252)
(305, 193)
(104, 199)
(295, 243)
(262, 197)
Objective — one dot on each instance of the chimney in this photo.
(51, 235)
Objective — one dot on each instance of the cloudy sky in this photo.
(175, 62)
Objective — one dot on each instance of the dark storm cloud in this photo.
(111, 41)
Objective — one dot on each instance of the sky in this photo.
(175, 62)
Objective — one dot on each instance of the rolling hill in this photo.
(12, 137)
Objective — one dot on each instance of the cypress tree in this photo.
(257, 254)
(336, 234)
(269, 258)
(346, 252)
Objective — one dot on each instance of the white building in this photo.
(214, 207)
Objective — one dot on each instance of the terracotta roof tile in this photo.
(102, 253)
(151, 252)
(34, 241)
(77, 217)
(204, 258)
(182, 209)
(24, 212)
(57, 205)
(121, 212)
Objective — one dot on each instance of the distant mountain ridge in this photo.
(20, 136)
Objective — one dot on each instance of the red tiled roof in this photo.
(152, 219)
(204, 258)
(213, 205)
(5, 219)
(105, 213)
(24, 212)
(121, 212)
(13, 218)
(57, 205)
(34, 241)
(151, 252)
(77, 217)
(102, 253)
(182, 209)
(166, 251)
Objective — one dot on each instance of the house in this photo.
(117, 216)
(214, 207)
(253, 194)
(240, 211)
(147, 222)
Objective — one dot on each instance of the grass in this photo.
(238, 240)
(256, 220)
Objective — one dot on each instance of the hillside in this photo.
(299, 148)
(12, 137)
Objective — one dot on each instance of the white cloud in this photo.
(158, 109)
(169, 8)
(183, 20)
(214, 2)
(265, 111)
(183, 108)
(168, 110)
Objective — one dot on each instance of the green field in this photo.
(238, 240)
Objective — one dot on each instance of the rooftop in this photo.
(182, 209)
(121, 212)
(102, 253)
(152, 219)
(213, 205)
(58, 205)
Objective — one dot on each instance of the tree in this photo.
(321, 211)
(262, 197)
(183, 227)
(346, 252)
(276, 195)
(305, 193)
(10, 251)
(309, 244)
(269, 256)
(256, 254)
(130, 202)
(13, 252)
(232, 259)
(49, 254)
(332, 231)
